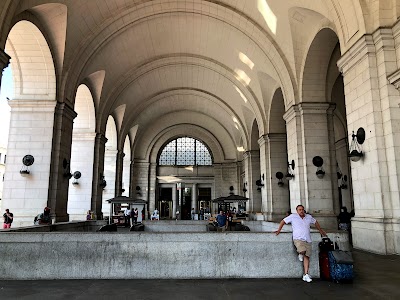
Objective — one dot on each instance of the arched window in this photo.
(185, 151)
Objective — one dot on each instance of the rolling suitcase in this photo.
(341, 266)
(324, 246)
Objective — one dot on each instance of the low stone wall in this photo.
(74, 226)
(175, 226)
(62, 255)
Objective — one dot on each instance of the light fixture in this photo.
(355, 152)
(76, 176)
(27, 161)
(138, 193)
(289, 175)
(244, 187)
(231, 190)
(259, 183)
(318, 162)
(103, 182)
(279, 175)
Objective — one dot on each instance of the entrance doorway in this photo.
(165, 203)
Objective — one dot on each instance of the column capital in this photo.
(64, 109)
(101, 138)
(395, 79)
(308, 108)
(251, 153)
(121, 153)
(4, 59)
(363, 47)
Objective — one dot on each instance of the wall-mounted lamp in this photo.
(279, 175)
(231, 190)
(355, 152)
(27, 161)
(102, 182)
(318, 162)
(138, 193)
(76, 176)
(289, 175)
(259, 183)
(244, 187)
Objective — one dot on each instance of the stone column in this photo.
(82, 157)
(132, 181)
(194, 197)
(309, 134)
(4, 61)
(152, 186)
(252, 169)
(98, 171)
(60, 156)
(119, 172)
(140, 178)
(277, 197)
(174, 201)
(31, 132)
(368, 68)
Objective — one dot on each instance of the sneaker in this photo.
(301, 257)
(307, 278)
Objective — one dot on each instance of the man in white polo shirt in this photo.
(301, 235)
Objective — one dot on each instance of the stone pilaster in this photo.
(119, 173)
(310, 134)
(110, 170)
(194, 196)
(126, 177)
(372, 103)
(98, 171)
(28, 193)
(61, 153)
(152, 184)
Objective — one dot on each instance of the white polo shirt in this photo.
(301, 226)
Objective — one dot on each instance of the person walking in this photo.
(301, 236)
(134, 216)
(44, 218)
(8, 219)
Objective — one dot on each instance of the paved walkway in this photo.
(377, 277)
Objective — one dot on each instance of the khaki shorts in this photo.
(303, 246)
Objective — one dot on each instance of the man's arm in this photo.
(280, 227)
(321, 231)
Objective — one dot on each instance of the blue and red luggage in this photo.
(340, 266)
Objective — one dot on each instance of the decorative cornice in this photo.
(101, 138)
(64, 109)
(395, 79)
(364, 46)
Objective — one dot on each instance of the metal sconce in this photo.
(279, 175)
(138, 193)
(244, 187)
(289, 175)
(103, 182)
(355, 152)
(231, 190)
(76, 176)
(27, 161)
(318, 162)
(260, 183)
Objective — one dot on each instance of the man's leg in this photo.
(306, 264)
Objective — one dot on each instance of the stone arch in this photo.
(82, 154)
(314, 79)
(28, 48)
(254, 136)
(110, 163)
(126, 167)
(277, 110)
(196, 132)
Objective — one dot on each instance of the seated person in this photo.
(344, 219)
(155, 215)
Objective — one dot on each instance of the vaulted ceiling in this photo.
(214, 65)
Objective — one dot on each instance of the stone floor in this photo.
(376, 277)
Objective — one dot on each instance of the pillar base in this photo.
(58, 218)
(274, 216)
(377, 235)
